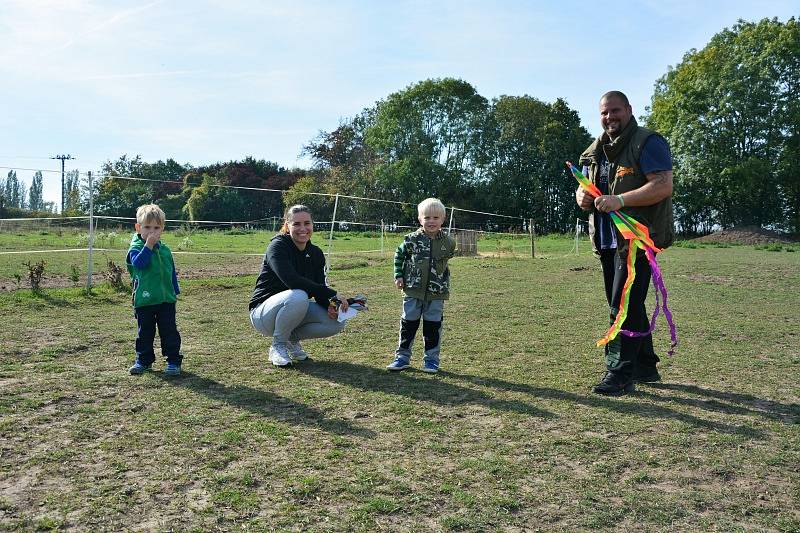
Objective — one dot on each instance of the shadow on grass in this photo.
(264, 403)
(613, 404)
(412, 385)
(729, 402)
(52, 300)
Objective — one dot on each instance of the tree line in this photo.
(730, 112)
(18, 201)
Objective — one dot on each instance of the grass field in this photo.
(508, 437)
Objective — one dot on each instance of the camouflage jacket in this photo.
(422, 263)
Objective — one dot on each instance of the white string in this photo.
(32, 219)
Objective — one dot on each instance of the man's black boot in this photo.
(647, 374)
(614, 385)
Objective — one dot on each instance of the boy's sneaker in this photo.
(172, 370)
(430, 367)
(138, 368)
(399, 363)
(296, 351)
(279, 355)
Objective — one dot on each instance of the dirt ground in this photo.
(751, 235)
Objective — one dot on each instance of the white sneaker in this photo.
(279, 355)
(296, 351)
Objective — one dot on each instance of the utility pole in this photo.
(62, 158)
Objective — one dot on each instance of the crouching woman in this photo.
(292, 274)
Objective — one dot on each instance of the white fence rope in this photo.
(343, 225)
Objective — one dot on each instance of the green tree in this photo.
(35, 193)
(72, 193)
(127, 183)
(208, 201)
(14, 191)
(302, 192)
(524, 144)
(346, 164)
(116, 196)
(425, 139)
(732, 116)
(243, 179)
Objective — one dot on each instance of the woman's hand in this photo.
(334, 305)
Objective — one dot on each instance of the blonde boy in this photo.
(421, 272)
(155, 291)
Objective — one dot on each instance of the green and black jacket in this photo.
(422, 263)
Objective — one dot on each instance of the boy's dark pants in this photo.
(431, 314)
(163, 316)
(625, 354)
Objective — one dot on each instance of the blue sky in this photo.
(213, 80)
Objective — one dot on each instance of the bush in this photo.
(239, 231)
(114, 277)
(74, 274)
(35, 273)
(111, 237)
(186, 243)
(505, 247)
(185, 230)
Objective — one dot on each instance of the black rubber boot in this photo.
(614, 384)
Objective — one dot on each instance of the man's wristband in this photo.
(621, 200)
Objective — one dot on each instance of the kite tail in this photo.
(656, 274)
(658, 282)
(622, 313)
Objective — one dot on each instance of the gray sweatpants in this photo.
(291, 316)
(431, 314)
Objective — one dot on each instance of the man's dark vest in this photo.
(625, 175)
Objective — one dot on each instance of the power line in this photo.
(63, 158)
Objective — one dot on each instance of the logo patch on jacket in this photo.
(624, 171)
(145, 294)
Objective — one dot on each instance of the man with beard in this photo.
(632, 167)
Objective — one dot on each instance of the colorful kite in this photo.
(638, 236)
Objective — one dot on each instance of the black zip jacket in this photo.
(285, 267)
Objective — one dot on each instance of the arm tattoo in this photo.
(660, 178)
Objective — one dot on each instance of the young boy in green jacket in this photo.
(421, 271)
(155, 291)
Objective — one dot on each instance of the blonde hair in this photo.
(291, 212)
(431, 207)
(150, 213)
